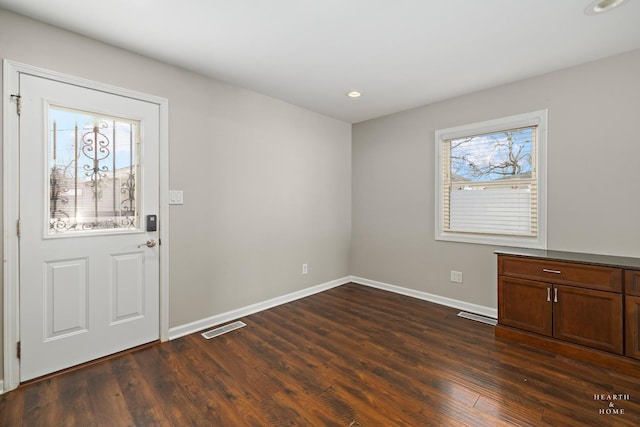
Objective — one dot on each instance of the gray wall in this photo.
(267, 185)
(593, 195)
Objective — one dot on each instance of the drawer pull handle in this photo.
(555, 294)
(548, 294)
(546, 270)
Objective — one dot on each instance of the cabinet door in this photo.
(524, 304)
(632, 326)
(588, 317)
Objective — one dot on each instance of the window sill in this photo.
(493, 240)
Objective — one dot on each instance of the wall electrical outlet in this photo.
(456, 276)
(305, 268)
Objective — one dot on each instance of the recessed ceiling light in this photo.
(601, 6)
(354, 94)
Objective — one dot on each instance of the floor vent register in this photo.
(223, 329)
(478, 318)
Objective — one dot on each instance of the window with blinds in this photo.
(489, 182)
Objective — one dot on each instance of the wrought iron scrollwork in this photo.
(95, 147)
(95, 159)
(129, 189)
(59, 199)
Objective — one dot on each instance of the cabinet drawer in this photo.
(632, 282)
(564, 273)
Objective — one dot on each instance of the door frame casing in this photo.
(11, 194)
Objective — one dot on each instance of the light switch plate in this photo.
(176, 197)
(456, 276)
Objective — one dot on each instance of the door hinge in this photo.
(18, 100)
(18, 350)
(19, 228)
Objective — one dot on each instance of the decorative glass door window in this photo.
(93, 165)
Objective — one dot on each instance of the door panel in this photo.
(632, 326)
(588, 317)
(88, 175)
(127, 287)
(65, 309)
(525, 304)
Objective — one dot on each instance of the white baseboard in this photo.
(449, 302)
(1, 386)
(189, 328)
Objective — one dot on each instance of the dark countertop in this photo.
(577, 257)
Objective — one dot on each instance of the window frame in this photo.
(534, 118)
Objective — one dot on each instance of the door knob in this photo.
(150, 243)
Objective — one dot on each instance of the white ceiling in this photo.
(399, 53)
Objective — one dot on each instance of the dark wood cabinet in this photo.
(579, 305)
(579, 313)
(632, 325)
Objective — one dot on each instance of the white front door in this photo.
(89, 179)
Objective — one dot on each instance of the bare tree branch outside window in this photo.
(492, 156)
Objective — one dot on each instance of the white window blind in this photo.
(497, 211)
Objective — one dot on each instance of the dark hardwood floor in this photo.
(351, 356)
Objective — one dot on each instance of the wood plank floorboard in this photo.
(351, 356)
